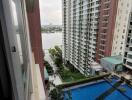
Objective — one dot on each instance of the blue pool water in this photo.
(92, 91)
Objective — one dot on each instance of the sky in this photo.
(51, 12)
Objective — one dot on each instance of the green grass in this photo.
(70, 76)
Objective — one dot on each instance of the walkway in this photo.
(54, 78)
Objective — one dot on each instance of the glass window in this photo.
(20, 30)
(17, 30)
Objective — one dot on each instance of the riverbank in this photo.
(50, 32)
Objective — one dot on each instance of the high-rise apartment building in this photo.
(108, 11)
(20, 76)
(121, 26)
(80, 26)
(127, 60)
(94, 29)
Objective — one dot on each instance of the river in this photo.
(49, 40)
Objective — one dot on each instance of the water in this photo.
(49, 40)
(92, 91)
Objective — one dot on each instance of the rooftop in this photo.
(114, 59)
(96, 66)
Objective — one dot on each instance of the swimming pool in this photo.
(92, 91)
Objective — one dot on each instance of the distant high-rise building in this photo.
(121, 26)
(107, 18)
(127, 60)
(20, 63)
(80, 26)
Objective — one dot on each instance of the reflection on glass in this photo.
(17, 30)
(20, 35)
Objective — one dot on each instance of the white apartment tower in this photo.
(121, 26)
(127, 60)
(80, 26)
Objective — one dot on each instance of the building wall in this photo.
(108, 9)
(33, 14)
(121, 26)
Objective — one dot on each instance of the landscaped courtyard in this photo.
(66, 72)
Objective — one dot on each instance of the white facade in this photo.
(80, 20)
(127, 60)
(121, 26)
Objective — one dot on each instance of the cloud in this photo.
(51, 12)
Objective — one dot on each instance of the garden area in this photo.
(67, 72)
(49, 68)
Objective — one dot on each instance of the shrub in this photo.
(56, 94)
(49, 68)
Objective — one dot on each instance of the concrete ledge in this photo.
(41, 91)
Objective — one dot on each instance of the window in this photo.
(19, 22)
(97, 2)
(107, 5)
(129, 31)
(130, 23)
(123, 30)
(128, 40)
(122, 36)
(130, 56)
(124, 61)
(129, 63)
(130, 48)
(125, 55)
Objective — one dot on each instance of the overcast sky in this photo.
(51, 12)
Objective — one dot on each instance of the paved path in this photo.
(54, 78)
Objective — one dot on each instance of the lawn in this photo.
(70, 76)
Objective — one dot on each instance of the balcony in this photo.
(130, 52)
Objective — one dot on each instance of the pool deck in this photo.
(85, 84)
